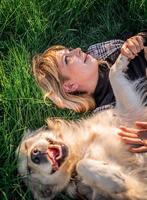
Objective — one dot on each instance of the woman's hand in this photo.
(135, 136)
(132, 46)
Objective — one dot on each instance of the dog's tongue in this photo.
(53, 152)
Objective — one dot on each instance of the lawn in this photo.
(29, 27)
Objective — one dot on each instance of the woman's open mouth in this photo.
(85, 58)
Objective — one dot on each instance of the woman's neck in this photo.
(90, 86)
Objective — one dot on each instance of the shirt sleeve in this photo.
(106, 50)
(104, 107)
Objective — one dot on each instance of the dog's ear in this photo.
(29, 133)
(26, 134)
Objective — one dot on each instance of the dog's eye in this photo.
(50, 141)
(35, 151)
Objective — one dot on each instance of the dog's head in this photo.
(44, 161)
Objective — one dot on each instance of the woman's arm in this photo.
(135, 136)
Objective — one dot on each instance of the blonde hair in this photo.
(46, 72)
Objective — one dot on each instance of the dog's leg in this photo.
(126, 96)
(101, 176)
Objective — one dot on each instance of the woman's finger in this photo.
(128, 140)
(140, 41)
(126, 52)
(127, 134)
(141, 149)
(142, 125)
(129, 130)
(133, 46)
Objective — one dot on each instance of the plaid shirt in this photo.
(108, 50)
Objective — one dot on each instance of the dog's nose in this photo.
(36, 156)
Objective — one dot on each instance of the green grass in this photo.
(30, 26)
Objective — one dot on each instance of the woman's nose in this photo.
(77, 51)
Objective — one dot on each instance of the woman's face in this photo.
(79, 68)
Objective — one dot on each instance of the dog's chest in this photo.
(104, 145)
(95, 151)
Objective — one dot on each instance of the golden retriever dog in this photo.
(86, 159)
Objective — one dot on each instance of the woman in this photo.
(79, 81)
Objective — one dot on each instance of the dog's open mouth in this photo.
(56, 155)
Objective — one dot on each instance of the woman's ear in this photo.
(70, 86)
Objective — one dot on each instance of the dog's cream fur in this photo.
(97, 164)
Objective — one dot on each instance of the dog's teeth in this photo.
(60, 155)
